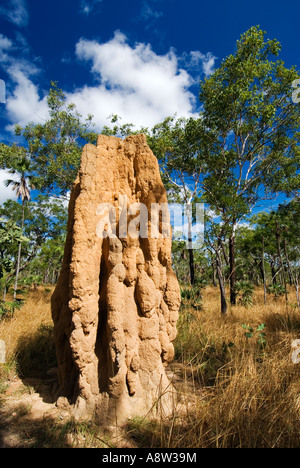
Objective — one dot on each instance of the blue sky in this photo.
(141, 59)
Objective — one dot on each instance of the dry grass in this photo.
(247, 393)
(26, 321)
(241, 393)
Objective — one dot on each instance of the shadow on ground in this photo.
(283, 322)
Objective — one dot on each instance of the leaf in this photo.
(248, 335)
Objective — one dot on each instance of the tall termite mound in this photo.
(116, 303)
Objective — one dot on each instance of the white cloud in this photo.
(25, 104)
(87, 6)
(148, 12)
(5, 46)
(211, 214)
(206, 61)
(6, 193)
(15, 11)
(133, 82)
(245, 225)
(61, 200)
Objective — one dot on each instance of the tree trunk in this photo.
(274, 279)
(190, 245)
(224, 252)
(264, 270)
(214, 273)
(281, 262)
(192, 266)
(232, 277)
(292, 276)
(221, 284)
(19, 255)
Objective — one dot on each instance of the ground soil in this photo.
(29, 418)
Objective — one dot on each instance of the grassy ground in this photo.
(234, 375)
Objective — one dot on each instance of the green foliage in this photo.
(181, 146)
(254, 125)
(258, 334)
(276, 289)
(22, 168)
(245, 291)
(43, 241)
(243, 147)
(244, 102)
(121, 130)
(11, 155)
(10, 236)
(55, 147)
(193, 293)
(7, 308)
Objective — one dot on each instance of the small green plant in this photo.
(258, 333)
(245, 291)
(32, 280)
(8, 308)
(276, 289)
(193, 294)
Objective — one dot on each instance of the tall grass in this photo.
(28, 338)
(234, 389)
(243, 391)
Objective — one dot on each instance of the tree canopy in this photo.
(242, 149)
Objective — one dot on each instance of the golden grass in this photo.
(26, 321)
(250, 389)
(241, 393)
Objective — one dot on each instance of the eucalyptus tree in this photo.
(43, 237)
(247, 103)
(288, 227)
(271, 245)
(253, 248)
(46, 226)
(55, 146)
(11, 236)
(10, 154)
(21, 184)
(182, 146)
(214, 236)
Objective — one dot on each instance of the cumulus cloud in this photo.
(15, 11)
(133, 82)
(25, 104)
